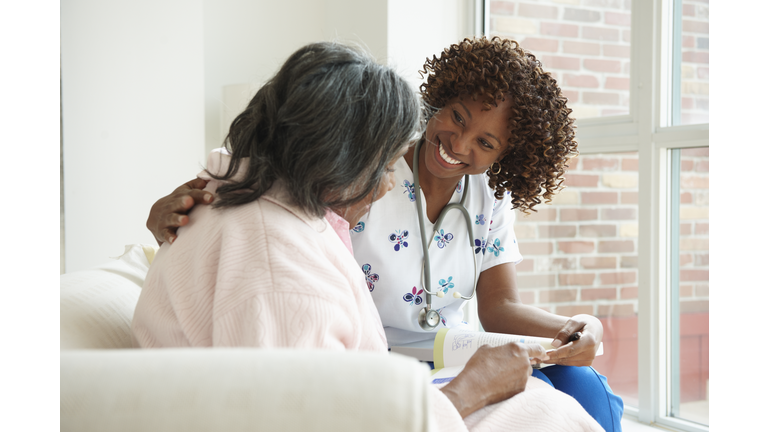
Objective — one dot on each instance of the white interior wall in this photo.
(132, 108)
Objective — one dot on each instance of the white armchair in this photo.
(107, 385)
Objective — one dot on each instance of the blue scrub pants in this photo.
(590, 389)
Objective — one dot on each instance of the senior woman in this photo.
(499, 136)
(269, 263)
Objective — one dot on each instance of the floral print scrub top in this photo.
(387, 245)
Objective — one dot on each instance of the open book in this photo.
(453, 348)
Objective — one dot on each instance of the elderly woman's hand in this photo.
(493, 374)
(170, 212)
(580, 352)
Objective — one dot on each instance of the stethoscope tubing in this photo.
(461, 206)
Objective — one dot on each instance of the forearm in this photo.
(517, 318)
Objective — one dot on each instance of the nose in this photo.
(460, 144)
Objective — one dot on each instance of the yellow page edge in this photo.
(437, 350)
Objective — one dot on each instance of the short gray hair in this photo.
(327, 124)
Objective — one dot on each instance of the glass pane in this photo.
(580, 256)
(690, 362)
(691, 63)
(584, 43)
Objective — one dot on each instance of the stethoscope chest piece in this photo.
(428, 319)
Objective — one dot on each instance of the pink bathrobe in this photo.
(266, 274)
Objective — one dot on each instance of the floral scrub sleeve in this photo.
(387, 245)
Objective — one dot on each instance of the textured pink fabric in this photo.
(267, 275)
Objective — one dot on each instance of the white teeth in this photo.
(447, 158)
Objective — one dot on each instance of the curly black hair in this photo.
(542, 131)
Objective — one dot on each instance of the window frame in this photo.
(647, 130)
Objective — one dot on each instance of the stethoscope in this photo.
(428, 317)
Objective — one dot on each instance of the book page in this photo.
(455, 347)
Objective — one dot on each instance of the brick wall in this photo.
(586, 46)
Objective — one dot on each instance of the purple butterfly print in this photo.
(413, 296)
(443, 238)
(398, 238)
(370, 278)
(359, 227)
(480, 219)
(480, 246)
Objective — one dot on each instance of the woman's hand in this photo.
(580, 352)
(170, 212)
(493, 374)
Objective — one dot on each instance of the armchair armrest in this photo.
(232, 389)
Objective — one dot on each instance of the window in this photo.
(643, 134)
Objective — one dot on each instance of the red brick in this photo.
(616, 246)
(696, 57)
(582, 279)
(525, 265)
(628, 261)
(535, 281)
(598, 294)
(593, 262)
(694, 275)
(557, 231)
(619, 214)
(630, 164)
(528, 297)
(686, 165)
(701, 259)
(597, 231)
(688, 41)
(685, 291)
(573, 163)
(578, 214)
(621, 19)
(685, 259)
(687, 103)
(690, 26)
(571, 310)
(702, 166)
(702, 72)
(685, 229)
(686, 198)
(621, 51)
(702, 228)
(629, 197)
(540, 44)
(535, 248)
(612, 66)
(589, 81)
(581, 180)
(576, 246)
(616, 83)
(695, 151)
(689, 10)
(597, 163)
(618, 278)
(616, 310)
(702, 290)
(628, 293)
(595, 98)
(600, 33)
(599, 197)
(694, 182)
(571, 96)
(583, 15)
(537, 11)
(560, 62)
(557, 29)
(694, 306)
(502, 8)
(626, 36)
(558, 295)
(544, 215)
(582, 48)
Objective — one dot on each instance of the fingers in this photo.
(196, 183)
(536, 353)
(571, 326)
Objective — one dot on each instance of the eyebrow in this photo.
(469, 114)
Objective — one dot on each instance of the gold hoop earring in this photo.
(496, 171)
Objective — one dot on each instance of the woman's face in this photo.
(355, 212)
(463, 138)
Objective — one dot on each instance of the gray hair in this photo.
(327, 124)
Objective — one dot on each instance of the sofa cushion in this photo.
(97, 304)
